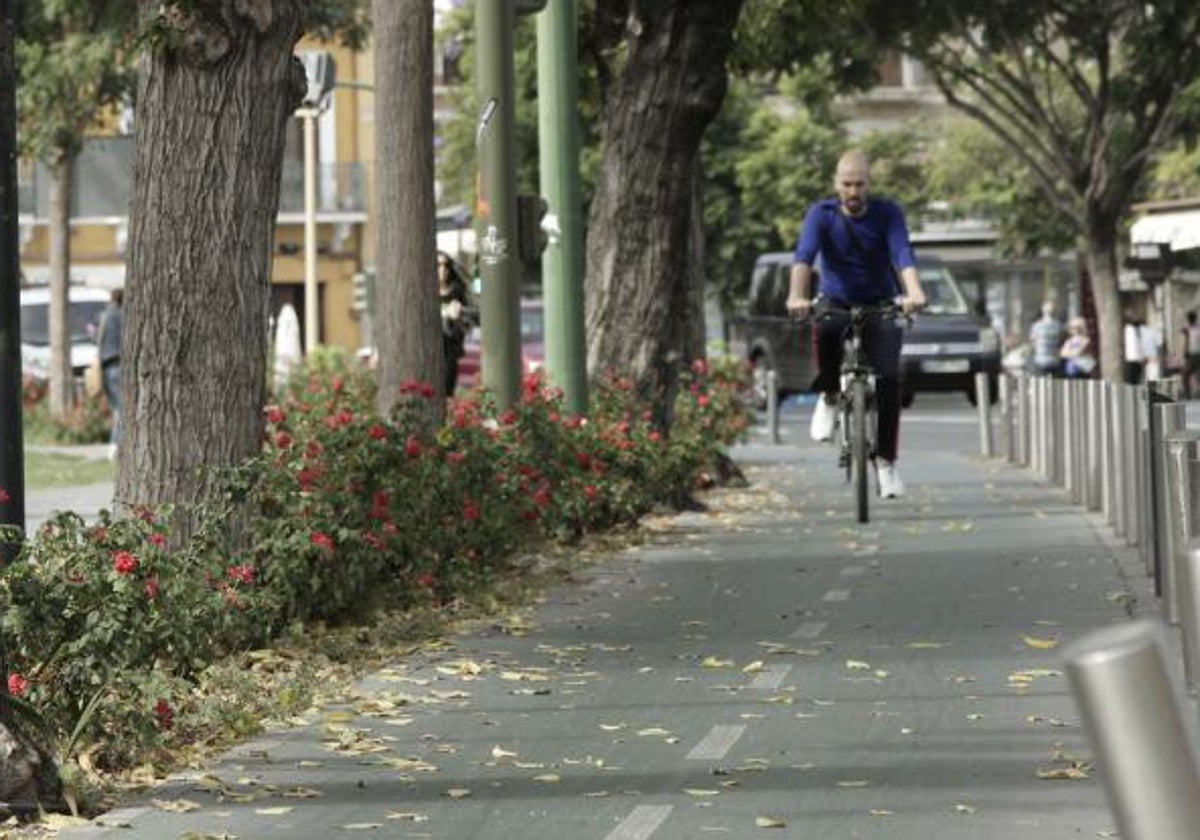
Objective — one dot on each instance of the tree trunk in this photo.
(1101, 256)
(641, 224)
(209, 137)
(62, 378)
(696, 341)
(409, 322)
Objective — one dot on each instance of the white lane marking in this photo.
(717, 742)
(837, 595)
(853, 571)
(771, 677)
(810, 630)
(641, 822)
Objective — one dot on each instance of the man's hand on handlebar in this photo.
(799, 308)
(913, 302)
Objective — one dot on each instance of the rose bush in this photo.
(341, 512)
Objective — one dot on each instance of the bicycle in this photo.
(856, 400)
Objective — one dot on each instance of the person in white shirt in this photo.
(1152, 350)
(1135, 353)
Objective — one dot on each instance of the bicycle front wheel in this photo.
(859, 451)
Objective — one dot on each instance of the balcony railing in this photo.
(103, 180)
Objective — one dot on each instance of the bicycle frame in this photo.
(856, 401)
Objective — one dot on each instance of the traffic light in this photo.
(531, 236)
(364, 291)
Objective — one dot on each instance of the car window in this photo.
(760, 289)
(531, 324)
(84, 315)
(941, 291)
(779, 289)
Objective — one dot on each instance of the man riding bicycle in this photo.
(862, 243)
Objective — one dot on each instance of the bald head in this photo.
(852, 182)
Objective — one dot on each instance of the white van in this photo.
(86, 306)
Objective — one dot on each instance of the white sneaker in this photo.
(890, 485)
(824, 420)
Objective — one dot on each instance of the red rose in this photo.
(125, 563)
(470, 511)
(702, 400)
(412, 447)
(241, 574)
(165, 715)
(542, 497)
(655, 437)
(283, 440)
(17, 685)
(427, 391)
(151, 587)
(308, 477)
(700, 367)
(584, 460)
(321, 540)
(338, 385)
(378, 432)
(373, 540)
(275, 414)
(157, 540)
(427, 580)
(456, 457)
(590, 492)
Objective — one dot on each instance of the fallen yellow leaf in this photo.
(1040, 644)
(769, 822)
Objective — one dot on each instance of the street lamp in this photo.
(322, 72)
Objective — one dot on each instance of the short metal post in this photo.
(1183, 517)
(1036, 425)
(1130, 446)
(773, 404)
(1117, 465)
(1189, 613)
(1094, 473)
(1023, 415)
(1055, 451)
(1145, 745)
(1070, 438)
(1007, 439)
(984, 403)
(1169, 418)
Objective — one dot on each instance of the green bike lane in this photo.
(764, 668)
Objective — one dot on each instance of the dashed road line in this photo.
(717, 743)
(809, 630)
(642, 821)
(771, 677)
(836, 595)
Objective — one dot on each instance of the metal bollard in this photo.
(1069, 438)
(1057, 420)
(1189, 613)
(1006, 441)
(1023, 415)
(1183, 514)
(1167, 420)
(1119, 481)
(1036, 425)
(1129, 451)
(984, 403)
(1094, 478)
(1145, 746)
(773, 404)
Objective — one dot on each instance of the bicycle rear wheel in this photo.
(859, 451)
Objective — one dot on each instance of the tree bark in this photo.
(409, 321)
(641, 225)
(1100, 251)
(209, 141)
(62, 378)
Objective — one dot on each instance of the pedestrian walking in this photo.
(1076, 352)
(1191, 354)
(452, 291)
(1046, 336)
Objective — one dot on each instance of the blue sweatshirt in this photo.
(857, 254)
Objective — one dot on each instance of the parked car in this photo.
(470, 369)
(85, 306)
(944, 347)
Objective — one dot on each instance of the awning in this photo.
(1180, 229)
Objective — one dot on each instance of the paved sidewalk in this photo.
(766, 668)
(86, 500)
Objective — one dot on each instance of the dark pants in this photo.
(1191, 370)
(881, 342)
(1133, 372)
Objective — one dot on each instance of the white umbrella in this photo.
(288, 353)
